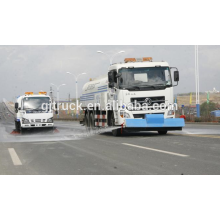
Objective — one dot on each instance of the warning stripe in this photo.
(101, 124)
(100, 116)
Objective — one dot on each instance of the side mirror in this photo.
(112, 78)
(56, 110)
(118, 75)
(16, 107)
(176, 76)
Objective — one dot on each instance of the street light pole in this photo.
(197, 80)
(76, 81)
(58, 96)
(111, 58)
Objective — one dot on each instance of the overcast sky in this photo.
(33, 68)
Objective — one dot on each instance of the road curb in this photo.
(203, 123)
(8, 108)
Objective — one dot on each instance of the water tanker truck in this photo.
(136, 95)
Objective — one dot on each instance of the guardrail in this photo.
(5, 102)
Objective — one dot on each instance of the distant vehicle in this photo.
(29, 112)
(215, 113)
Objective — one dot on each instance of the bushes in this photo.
(198, 119)
(207, 119)
(206, 108)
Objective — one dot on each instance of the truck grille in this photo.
(143, 115)
(159, 100)
(139, 116)
(38, 120)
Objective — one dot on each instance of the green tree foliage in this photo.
(206, 108)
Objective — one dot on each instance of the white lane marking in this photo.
(45, 143)
(198, 135)
(15, 159)
(153, 149)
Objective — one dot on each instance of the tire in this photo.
(87, 122)
(91, 121)
(162, 132)
(16, 126)
(115, 132)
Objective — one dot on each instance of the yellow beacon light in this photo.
(148, 59)
(144, 59)
(29, 93)
(42, 93)
(130, 60)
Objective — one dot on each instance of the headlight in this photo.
(124, 115)
(50, 120)
(25, 121)
(171, 112)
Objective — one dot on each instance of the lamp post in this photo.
(197, 80)
(58, 95)
(111, 58)
(76, 80)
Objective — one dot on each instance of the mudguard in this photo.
(154, 120)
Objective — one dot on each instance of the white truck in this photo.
(29, 112)
(112, 100)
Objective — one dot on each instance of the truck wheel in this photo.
(162, 132)
(87, 121)
(92, 121)
(115, 132)
(16, 126)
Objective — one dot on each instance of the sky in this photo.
(33, 68)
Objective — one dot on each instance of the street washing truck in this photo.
(136, 95)
(33, 111)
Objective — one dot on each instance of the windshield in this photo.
(144, 78)
(35, 103)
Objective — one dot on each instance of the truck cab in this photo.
(33, 111)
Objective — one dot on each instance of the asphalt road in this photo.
(195, 150)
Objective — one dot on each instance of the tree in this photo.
(206, 108)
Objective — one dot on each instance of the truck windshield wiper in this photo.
(161, 84)
(144, 86)
(133, 87)
(149, 86)
(34, 109)
(38, 109)
(154, 86)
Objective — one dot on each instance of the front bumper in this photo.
(155, 122)
(38, 125)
